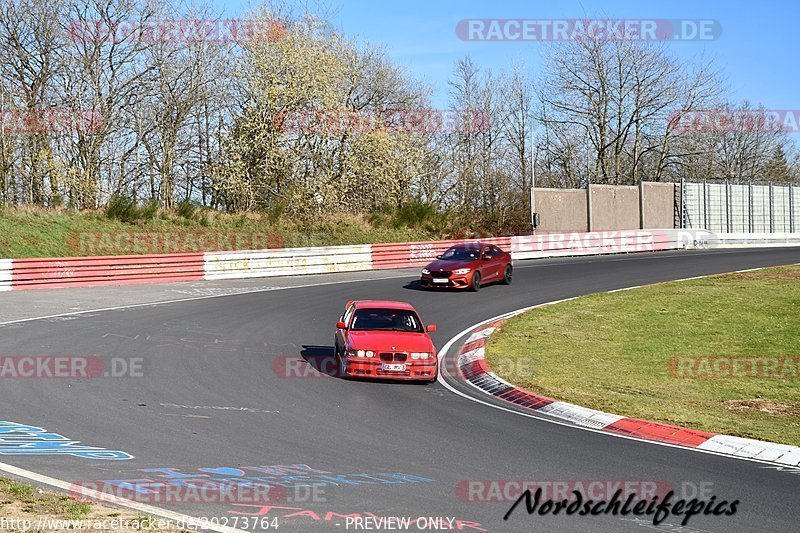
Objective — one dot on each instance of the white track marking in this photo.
(116, 500)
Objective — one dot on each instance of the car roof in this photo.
(382, 304)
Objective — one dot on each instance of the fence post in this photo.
(791, 208)
(641, 204)
(705, 206)
(728, 205)
(589, 207)
(683, 192)
(771, 214)
(750, 202)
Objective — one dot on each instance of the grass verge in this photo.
(655, 353)
(34, 232)
(26, 507)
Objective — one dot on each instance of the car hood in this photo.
(389, 341)
(450, 265)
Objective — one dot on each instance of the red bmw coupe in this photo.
(468, 266)
(383, 339)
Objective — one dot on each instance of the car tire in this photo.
(342, 366)
(475, 286)
(508, 274)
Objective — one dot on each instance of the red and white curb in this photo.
(472, 367)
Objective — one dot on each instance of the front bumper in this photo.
(453, 282)
(370, 368)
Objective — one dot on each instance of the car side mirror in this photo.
(439, 256)
(341, 325)
(431, 328)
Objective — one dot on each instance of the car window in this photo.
(386, 320)
(457, 253)
(496, 250)
(347, 314)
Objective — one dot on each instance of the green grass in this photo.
(21, 491)
(58, 233)
(611, 352)
(48, 502)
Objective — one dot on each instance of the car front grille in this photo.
(393, 357)
(443, 274)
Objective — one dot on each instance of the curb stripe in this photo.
(473, 368)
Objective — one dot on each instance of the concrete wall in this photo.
(659, 205)
(614, 207)
(560, 209)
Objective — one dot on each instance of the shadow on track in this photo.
(322, 359)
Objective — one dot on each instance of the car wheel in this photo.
(508, 274)
(342, 365)
(475, 286)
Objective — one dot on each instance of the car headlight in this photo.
(425, 271)
(461, 271)
(420, 355)
(360, 353)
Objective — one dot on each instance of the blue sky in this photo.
(757, 50)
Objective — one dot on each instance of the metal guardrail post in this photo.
(750, 206)
(588, 207)
(771, 212)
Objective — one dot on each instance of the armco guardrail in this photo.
(116, 270)
(109, 270)
(594, 243)
(5, 274)
(287, 262)
(709, 239)
(407, 254)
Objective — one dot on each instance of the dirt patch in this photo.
(764, 406)
(777, 274)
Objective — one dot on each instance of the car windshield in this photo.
(386, 320)
(457, 253)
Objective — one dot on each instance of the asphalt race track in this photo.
(220, 391)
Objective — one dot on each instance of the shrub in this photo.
(186, 209)
(122, 208)
(148, 211)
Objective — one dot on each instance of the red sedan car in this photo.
(468, 266)
(383, 339)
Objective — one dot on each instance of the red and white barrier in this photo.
(408, 254)
(116, 270)
(6, 268)
(287, 262)
(598, 242)
(108, 270)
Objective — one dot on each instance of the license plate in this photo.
(393, 367)
(440, 280)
